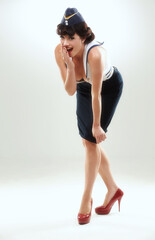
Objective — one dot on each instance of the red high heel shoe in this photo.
(105, 210)
(85, 218)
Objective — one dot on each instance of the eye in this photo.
(71, 38)
(62, 37)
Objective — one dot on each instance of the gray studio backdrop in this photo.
(38, 127)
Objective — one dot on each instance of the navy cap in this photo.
(71, 17)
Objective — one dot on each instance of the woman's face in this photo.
(73, 44)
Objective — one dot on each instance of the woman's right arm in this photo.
(67, 73)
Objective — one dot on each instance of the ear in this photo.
(83, 40)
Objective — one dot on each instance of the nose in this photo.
(65, 43)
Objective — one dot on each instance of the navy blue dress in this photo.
(110, 95)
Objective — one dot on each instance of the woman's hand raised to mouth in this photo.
(66, 57)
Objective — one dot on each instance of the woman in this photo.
(85, 69)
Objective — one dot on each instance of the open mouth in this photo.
(69, 50)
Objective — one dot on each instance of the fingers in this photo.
(64, 51)
(65, 54)
(101, 138)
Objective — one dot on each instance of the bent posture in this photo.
(86, 70)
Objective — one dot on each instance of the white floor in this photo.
(46, 208)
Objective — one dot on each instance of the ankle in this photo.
(86, 197)
(112, 188)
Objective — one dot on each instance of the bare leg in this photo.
(105, 173)
(92, 163)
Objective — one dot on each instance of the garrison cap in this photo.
(71, 17)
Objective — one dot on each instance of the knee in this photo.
(92, 148)
(88, 144)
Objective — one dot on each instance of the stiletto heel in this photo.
(119, 200)
(105, 210)
(85, 218)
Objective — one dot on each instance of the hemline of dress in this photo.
(93, 141)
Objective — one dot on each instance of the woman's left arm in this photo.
(96, 66)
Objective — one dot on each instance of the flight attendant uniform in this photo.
(112, 85)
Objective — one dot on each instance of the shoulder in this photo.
(58, 56)
(57, 52)
(58, 47)
(60, 62)
(95, 55)
(94, 52)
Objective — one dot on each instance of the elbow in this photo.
(70, 92)
(96, 97)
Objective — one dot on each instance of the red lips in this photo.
(69, 50)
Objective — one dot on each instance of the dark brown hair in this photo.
(81, 29)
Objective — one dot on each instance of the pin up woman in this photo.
(86, 70)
